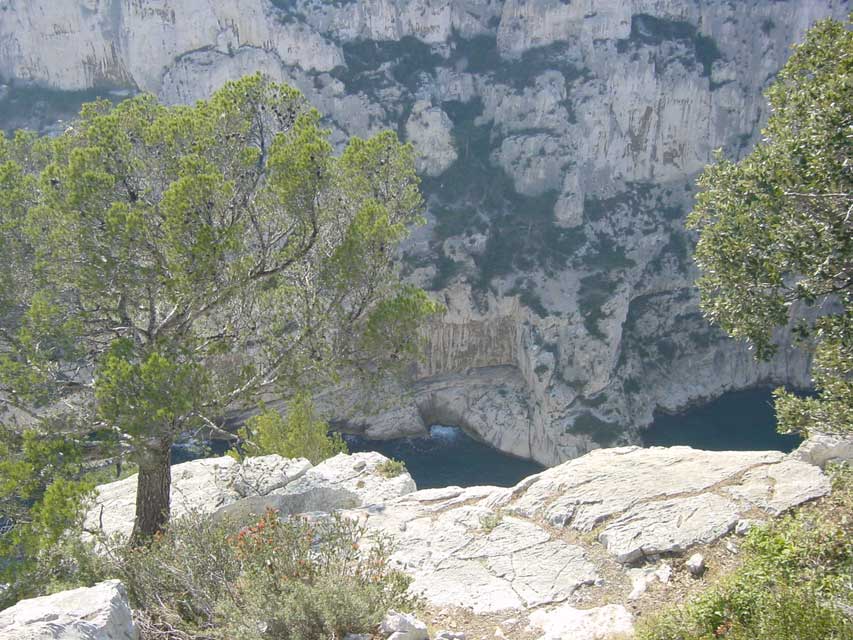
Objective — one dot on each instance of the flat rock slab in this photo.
(669, 526)
(470, 556)
(583, 492)
(489, 548)
(778, 487)
(568, 623)
(96, 613)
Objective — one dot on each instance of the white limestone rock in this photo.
(101, 612)
(583, 492)
(403, 626)
(346, 481)
(821, 449)
(261, 475)
(441, 539)
(778, 487)
(429, 129)
(696, 564)
(202, 486)
(669, 526)
(358, 473)
(599, 623)
(643, 577)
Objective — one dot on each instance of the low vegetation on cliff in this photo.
(795, 582)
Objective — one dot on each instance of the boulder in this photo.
(101, 612)
(696, 564)
(403, 626)
(821, 449)
(642, 578)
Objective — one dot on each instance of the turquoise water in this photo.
(450, 457)
(738, 421)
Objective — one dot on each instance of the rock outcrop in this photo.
(223, 486)
(559, 142)
(101, 612)
(572, 528)
(566, 552)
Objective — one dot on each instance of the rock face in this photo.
(226, 487)
(559, 142)
(96, 613)
(560, 535)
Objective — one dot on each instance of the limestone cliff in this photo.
(558, 141)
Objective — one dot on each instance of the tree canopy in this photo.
(776, 229)
(164, 264)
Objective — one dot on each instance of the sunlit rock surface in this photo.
(227, 487)
(101, 612)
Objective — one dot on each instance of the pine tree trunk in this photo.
(152, 492)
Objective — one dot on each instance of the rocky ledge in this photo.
(566, 553)
(224, 486)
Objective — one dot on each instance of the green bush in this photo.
(180, 578)
(796, 582)
(390, 468)
(292, 579)
(42, 494)
(301, 435)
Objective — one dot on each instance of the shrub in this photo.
(390, 468)
(796, 582)
(178, 580)
(301, 435)
(305, 580)
(491, 520)
(292, 579)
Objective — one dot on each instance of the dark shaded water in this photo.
(738, 421)
(450, 457)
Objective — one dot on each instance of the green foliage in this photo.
(409, 57)
(41, 497)
(390, 468)
(162, 264)
(796, 582)
(301, 435)
(522, 234)
(595, 290)
(133, 395)
(311, 580)
(292, 579)
(775, 228)
(490, 521)
(602, 432)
